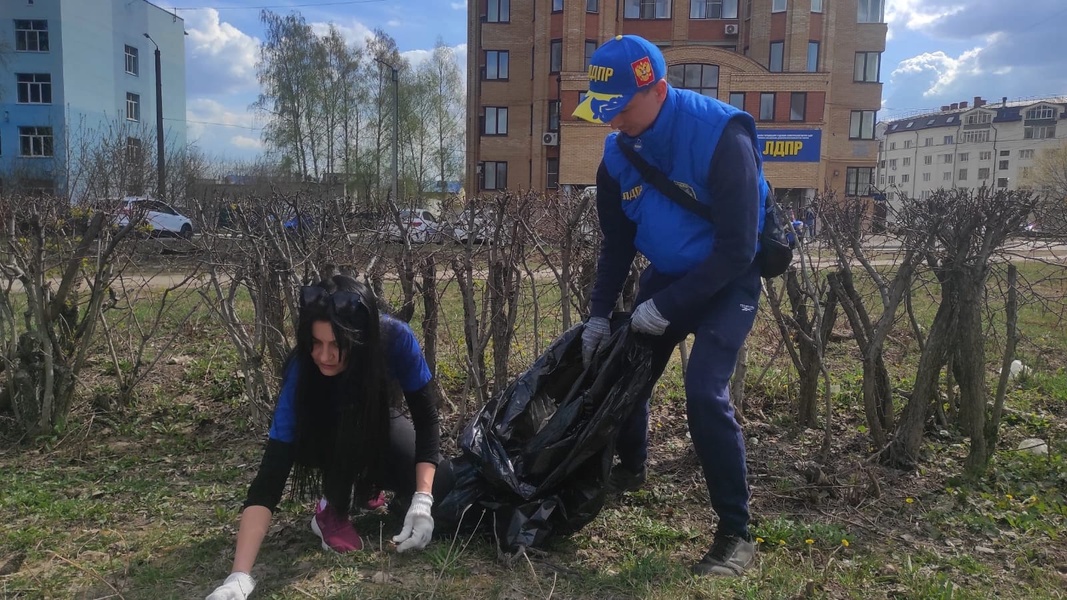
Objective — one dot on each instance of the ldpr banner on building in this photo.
(790, 145)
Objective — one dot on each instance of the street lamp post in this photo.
(161, 170)
(396, 124)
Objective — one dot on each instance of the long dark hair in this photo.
(342, 422)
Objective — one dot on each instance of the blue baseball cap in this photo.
(619, 69)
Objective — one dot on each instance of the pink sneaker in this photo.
(335, 531)
(376, 502)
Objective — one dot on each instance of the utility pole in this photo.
(396, 125)
(161, 170)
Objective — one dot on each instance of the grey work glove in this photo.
(238, 586)
(646, 319)
(418, 524)
(597, 330)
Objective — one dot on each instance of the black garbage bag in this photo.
(535, 460)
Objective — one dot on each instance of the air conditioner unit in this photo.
(731, 29)
(550, 139)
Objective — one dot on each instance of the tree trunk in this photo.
(969, 366)
(431, 312)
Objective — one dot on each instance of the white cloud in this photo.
(458, 5)
(915, 15)
(352, 31)
(394, 23)
(938, 72)
(248, 143)
(222, 58)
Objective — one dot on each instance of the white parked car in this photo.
(160, 217)
(418, 225)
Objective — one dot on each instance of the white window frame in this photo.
(713, 9)
(978, 118)
(962, 176)
(983, 173)
(870, 11)
(647, 9)
(1040, 113)
(1039, 132)
(816, 6)
(133, 60)
(778, 6)
(39, 141)
(31, 35)
(975, 136)
(985, 155)
(33, 88)
(861, 124)
(133, 107)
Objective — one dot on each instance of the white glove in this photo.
(596, 332)
(646, 319)
(418, 524)
(237, 586)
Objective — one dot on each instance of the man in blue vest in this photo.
(702, 279)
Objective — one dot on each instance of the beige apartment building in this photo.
(968, 145)
(807, 70)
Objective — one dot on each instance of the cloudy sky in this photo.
(938, 52)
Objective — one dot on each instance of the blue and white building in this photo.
(74, 73)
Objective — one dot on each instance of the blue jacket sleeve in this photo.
(617, 249)
(734, 181)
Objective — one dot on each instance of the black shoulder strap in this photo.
(667, 187)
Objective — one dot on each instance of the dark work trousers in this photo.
(720, 327)
(400, 463)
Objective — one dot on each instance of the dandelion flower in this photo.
(1009, 496)
(781, 542)
(759, 540)
(844, 542)
(909, 500)
(809, 541)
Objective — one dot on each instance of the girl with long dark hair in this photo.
(337, 427)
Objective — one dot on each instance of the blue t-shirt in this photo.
(404, 360)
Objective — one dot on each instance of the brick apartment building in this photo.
(808, 70)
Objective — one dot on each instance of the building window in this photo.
(557, 5)
(946, 176)
(555, 56)
(553, 115)
(737, 100)
(870, 11)
(892, 163)
(797, 106)
(813, 57)
(907, 161)
(892, 145)
(774, 65)
(985, 155)
(499, 11)
(552, 173)
(892, 181)
(1040, 112)
(962, 175)
(35, 141)
(1005, 152)
(948, 139)
(496, 121)
(905, 178)
(1039, 132)
(928, 160)
(964, 156)
(592, 6)
(494, 175)
(133, 107)
(975, 136)
(907, 144)
(31, 36)
(978, 118)
(946, 158)
(881, 180)
(816, 6)
(858, 181)
(134, 154)
(766, 106)
(777, 6)
(496, 64)
(590, 48)
(928, 141)
(1026, 153)
(1003, 165)
(133, 66)
(926, 177)
(647, 9)
(702, 79)
(1002, 182)
(34, 88)
(713, 9)
(983, 173)
(861, 126)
